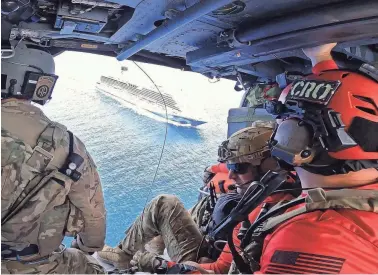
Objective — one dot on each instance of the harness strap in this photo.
(318, 199)
(22, 264)
(221, 186)
(8, 252)
(272, 222)
(73, 162)
(70, 148)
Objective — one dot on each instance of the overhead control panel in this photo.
(81, 18)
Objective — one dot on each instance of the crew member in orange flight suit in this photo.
(337, 240)
(223, 263)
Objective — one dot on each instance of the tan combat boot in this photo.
(115, 256)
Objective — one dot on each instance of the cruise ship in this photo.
(162, 106)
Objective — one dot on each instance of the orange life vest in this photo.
(221, 181)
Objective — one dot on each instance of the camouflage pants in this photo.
(70, 261)
(167, 217)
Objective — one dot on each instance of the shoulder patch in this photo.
(40, 159)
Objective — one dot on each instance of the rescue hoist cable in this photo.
(324, 187)
(165, 135)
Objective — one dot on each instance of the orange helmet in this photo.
(328, 117)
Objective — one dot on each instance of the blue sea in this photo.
(127, 145)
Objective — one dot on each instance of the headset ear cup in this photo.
(269, 164)
(291, 143)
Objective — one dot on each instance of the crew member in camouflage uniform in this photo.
(50, 185)
(166, 216)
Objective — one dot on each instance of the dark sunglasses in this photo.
(238, 168)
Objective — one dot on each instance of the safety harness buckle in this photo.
(74, 161)
(70, 169)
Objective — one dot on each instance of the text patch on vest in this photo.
(314, 91)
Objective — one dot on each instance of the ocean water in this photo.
(127, 145)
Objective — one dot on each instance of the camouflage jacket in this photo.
(33, 149)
